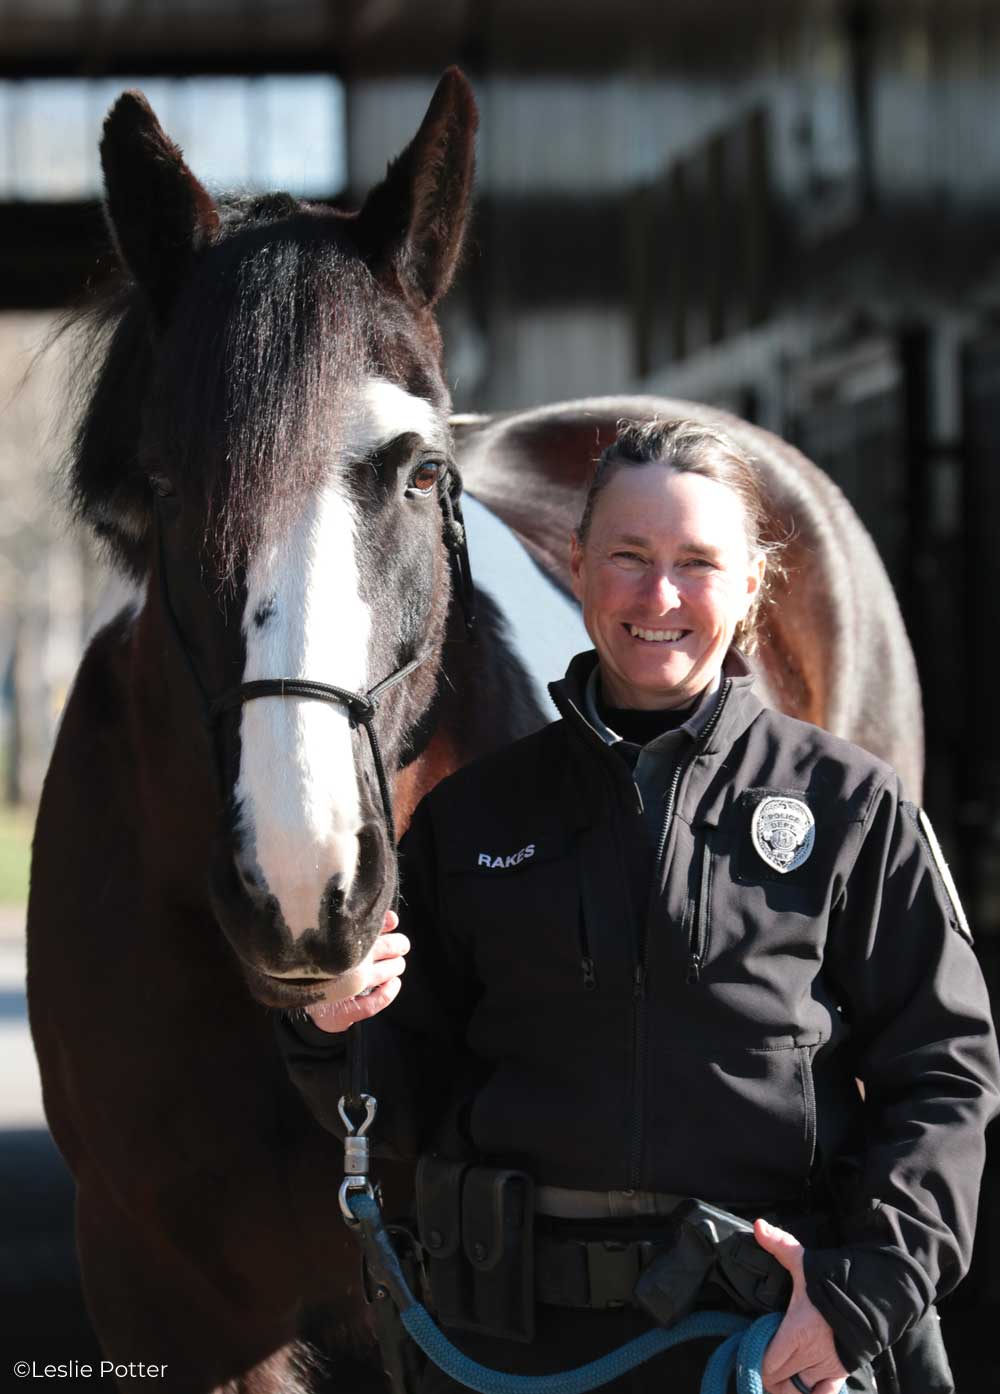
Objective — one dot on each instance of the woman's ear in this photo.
(755, 579)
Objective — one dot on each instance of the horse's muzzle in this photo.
(291, 968)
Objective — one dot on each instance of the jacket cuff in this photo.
(294, 1035)
(317, 1066)
(868, 1296)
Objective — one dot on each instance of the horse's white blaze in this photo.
(297, 786)
(387, 411)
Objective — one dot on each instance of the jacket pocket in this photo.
(805, 1054)
(734, 1122)
(700, 911)
(588, 972)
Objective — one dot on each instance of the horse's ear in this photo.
(158, 212)
(412, 224)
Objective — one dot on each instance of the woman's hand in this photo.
(381, 983)
(803, 1343)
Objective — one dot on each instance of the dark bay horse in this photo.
(265, 450)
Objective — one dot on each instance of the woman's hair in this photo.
(690, 448)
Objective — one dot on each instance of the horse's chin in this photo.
(287, 991)
(344, 985)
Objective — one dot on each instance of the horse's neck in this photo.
(485, 700)
(174, 751)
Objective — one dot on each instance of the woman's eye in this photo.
(161, 486)
(425, 476)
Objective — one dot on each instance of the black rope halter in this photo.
(361, 707)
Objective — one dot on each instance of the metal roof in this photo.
(368, 37)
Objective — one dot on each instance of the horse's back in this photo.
(835, 650)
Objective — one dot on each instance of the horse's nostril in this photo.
(249, 875)
(335, 897)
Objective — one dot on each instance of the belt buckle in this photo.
(613, 1268)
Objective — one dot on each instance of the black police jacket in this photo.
(705, 1034)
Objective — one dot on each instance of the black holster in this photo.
(710, 1251)
(476, 1228)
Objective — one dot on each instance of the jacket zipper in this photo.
(641, 1031)
(698, 928)
(586, 959)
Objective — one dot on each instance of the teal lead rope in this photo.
(740, 1354)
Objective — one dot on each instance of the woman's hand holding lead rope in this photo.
(803, 1344)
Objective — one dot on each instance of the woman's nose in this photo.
(663, 588)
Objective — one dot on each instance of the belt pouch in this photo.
(498, 1240)
(439, 1226)
(476, 1227)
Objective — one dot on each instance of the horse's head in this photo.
(267, 445)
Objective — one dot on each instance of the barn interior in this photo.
(789, 208)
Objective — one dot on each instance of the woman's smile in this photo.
(656, 636)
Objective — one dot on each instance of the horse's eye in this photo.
(161, 486)
(425, 476)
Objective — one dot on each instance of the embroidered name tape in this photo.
(783, 832)
(515, 858)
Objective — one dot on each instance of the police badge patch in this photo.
(783, 832)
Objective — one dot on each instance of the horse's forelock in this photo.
(254, 388)
(263, 361)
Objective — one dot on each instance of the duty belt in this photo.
(703, 1254)
(570, 1203)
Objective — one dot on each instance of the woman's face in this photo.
(664, 578)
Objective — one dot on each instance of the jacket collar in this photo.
(692, 727)
(740, 704)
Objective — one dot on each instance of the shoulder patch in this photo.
(929, 838)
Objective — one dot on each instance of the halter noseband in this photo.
(361, 707)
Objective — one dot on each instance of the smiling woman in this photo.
(666, 996)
